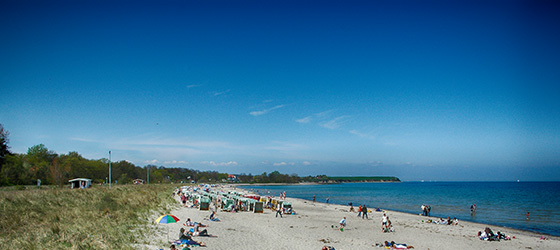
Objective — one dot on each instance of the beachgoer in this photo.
(351, 207)
(212, 215)
(359, 210)
(190, 241)
(399, 246)
(383, 223)
(327, 199)
(184, 200)
(183, 236)
(482, 235)
(423, 207)
(429, 209)
(342, 222)
(455, 221)
(172, 247)
(201, 233)
(313, 198)
(364, 212)
(278, 210)
(527, 215)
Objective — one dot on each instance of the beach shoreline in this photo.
(438, 215)
(315, 225)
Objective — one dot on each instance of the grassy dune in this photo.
(95, 218)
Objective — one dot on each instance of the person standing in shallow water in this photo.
(313, 198)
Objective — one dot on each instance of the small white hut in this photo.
(80, 183)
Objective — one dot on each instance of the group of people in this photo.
(443, 221)
(488, 235)
(386, 225)
(363, 211)
(426, 210)
(186, 236)
(393, 245)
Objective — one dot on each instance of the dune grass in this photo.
(95, 218)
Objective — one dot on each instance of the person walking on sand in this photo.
(360, 211)
(383, 222)
(278, 210)
(364, 212)
(342, 222)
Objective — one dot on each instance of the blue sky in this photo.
(433, 90)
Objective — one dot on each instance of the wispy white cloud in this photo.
(266, 111)
(194, 86)
(305, 119)
(307, 163)
(175, 162)
(154, 161)
(279, 164)
(84, 139)
(221, 164)
(221, 93)
(334, 123)
(316, 116)
(360, 134)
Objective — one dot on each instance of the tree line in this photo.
(40, 163)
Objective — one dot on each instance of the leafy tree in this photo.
(13, 172)
(38, 160)
(58, 171)
(41, 163)
(4, 149)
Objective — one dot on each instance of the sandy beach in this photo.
(316, 225)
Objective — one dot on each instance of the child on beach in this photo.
(359, 210)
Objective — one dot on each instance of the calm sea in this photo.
(498, 203)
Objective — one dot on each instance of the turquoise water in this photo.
(498, 203)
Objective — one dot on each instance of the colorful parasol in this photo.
(166, 219)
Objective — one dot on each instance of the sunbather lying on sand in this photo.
(488, 235)
(393, 245)
(190, 223)
(187, 238)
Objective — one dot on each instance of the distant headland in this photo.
(341, 179)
